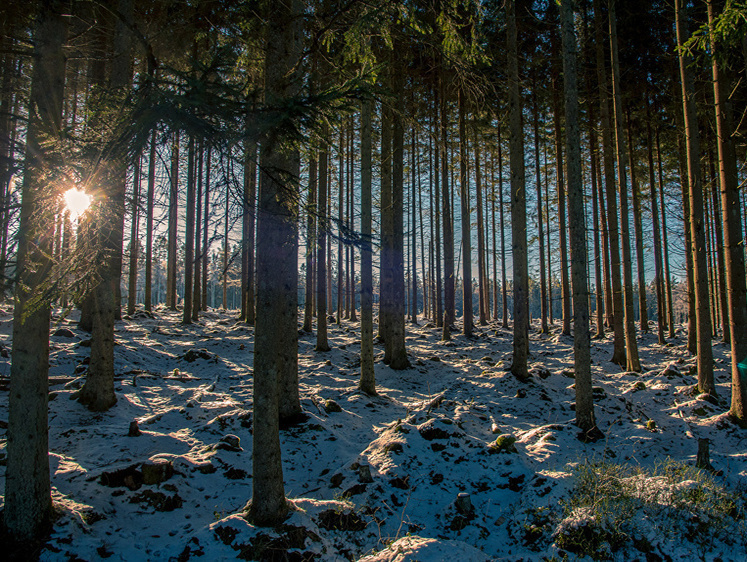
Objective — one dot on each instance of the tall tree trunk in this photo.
(518, 205)
(340, 204)
(399, 358)
(277, 268)
(321, 258)
(385, 258)
(549, 241)
(660, 292)
(134, 239)
(205, 236)
(171, 243)
(697, 227)
(618, 326)
(311, 209)
(721, 265)
(27, 514)
(149, 224)
(596, 205)
(495, 240)
(565, 290)
(189, 233)
(581, 343)
(351, 221)
(481, 274)
(638, 225)
(226, 248)
(197, 289)
(250, 197)
(413, 234)
(466, 222)
(436, 198)
(631, 346)
(504, 287)
(731, 213)
(670, 304)
(98, 391)
(368, 379)
(544, 329)
(449, 279)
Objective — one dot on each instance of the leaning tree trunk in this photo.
(277, 265)
(28, 501)
(518, 206)
(733, 242)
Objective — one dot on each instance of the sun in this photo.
(76, 202)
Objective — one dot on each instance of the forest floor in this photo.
(444, 427)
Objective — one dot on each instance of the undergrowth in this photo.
(616, 509)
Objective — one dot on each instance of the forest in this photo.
(374, 280)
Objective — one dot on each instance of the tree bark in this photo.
(134, 239)
(518, 206)
(581, 342)
(449, 280)
(322, 344)
(670, 307)
(98, 391)
(544, 329)
(171, 243)
(28, 502)
(399, 358)
(149, 224)
(631, 346)
(618, 326)
(368, 379)
(467, 320)
(638, 225)
(732, 223)
(660, 292)
(250, 196)
(189, 234)
(311, 210)
(197, 290)
(697, 227)
(277, 266)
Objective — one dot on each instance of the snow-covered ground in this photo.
(177, 491)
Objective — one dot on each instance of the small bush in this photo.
(503, 444)
(615, 506)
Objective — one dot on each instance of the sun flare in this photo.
(76, 202)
